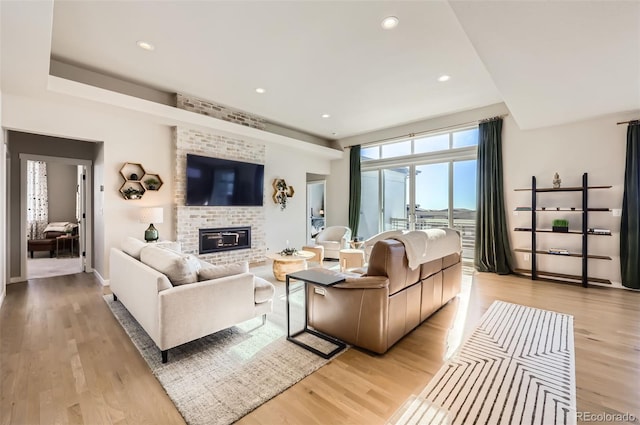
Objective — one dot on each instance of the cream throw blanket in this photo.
(423, 246)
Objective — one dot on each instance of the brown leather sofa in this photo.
(375, 310)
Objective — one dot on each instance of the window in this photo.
(396, 149)
(465, 138)
(424, 144)
(421, 183)
(432, 143)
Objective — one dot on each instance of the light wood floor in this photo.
(65, 359)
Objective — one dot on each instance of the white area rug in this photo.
(516, 368)
(222, 377)
(48, 267)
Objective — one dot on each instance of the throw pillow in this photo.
(57, 226)
(132, 246)
(209, 271)
(181, 269)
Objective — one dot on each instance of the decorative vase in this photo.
(151, 234)
(556, 181)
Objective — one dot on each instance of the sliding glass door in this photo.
(432, 196)
(395, 198)
(429, 182)
(384, 202)
(464, 204)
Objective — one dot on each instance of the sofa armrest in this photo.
(364, 282)
(188, 312)
(355, 314)
(137, 286)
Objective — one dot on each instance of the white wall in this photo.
(99, 242)
(337, 198)
(597, 147)
(4, 237)
(130, 137)
(62, 182)
(127, 138)
(4, 273)
(291, 223)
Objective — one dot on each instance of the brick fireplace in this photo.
(189, 219)
(223, 239)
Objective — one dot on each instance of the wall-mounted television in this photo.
(222, 182)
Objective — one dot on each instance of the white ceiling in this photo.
(550, 62)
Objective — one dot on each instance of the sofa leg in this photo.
(164, 356)
(31, 254)
(115, 297)
(51, 254)
(264, 319)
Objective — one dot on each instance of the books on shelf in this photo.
(558, 251)
(596, 231)
(523, 209)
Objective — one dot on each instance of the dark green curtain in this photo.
(492, 250)
(354, 189)
(630, 222)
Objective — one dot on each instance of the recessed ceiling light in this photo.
(390, 22)
(260, 90)
(444, 78)
(325, 115)
(145, 45)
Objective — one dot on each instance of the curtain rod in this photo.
(404, 136)
(628, 122)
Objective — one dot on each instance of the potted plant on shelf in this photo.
(132, 193)
(152, 183)
(560, 225)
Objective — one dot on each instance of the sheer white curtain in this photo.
(37, 199)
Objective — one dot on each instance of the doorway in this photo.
(54, 207)
(315, 208)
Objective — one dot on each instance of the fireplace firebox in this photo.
(224, 239)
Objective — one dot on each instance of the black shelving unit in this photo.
(536, 274)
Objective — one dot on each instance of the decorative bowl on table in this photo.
(289, 251)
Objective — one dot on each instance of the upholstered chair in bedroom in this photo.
(333, 239)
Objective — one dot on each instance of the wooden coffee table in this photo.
(283, 264)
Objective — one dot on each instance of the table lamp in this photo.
(151, 215)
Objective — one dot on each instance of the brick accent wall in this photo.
(190, 218)
(215, 110)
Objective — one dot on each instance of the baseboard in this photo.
(103, 281)
(17, 279)
(2, 297)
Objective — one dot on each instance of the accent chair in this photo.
(333, 239)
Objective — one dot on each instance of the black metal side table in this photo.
(318, 278)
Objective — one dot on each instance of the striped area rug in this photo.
(516, 368)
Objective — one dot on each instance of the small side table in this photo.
(318, 278)
(318, 250)
(351, 258)
(63, 238)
